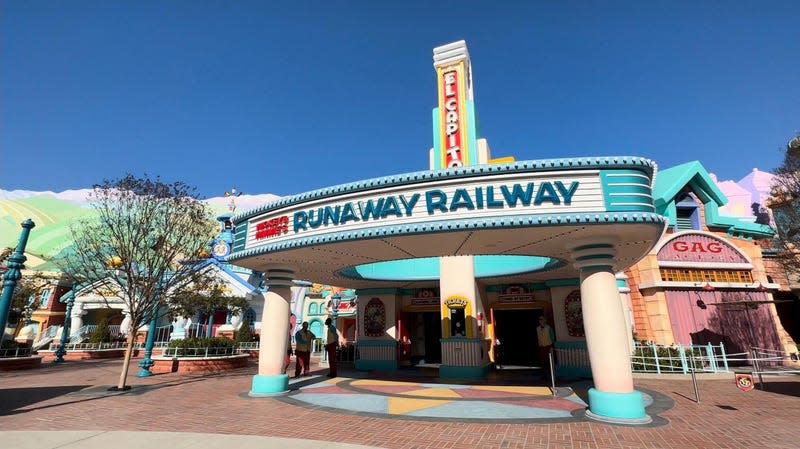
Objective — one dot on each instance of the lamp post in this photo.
(65, 329)
(15, 264)
(336, 301)
(147, 361)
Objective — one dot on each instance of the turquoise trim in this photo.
(571, 344)
(269, 385)
(427, 268)
(472, 133)
(463, 372)
(499, 288)
(239, 237)
(437, 142)
(583, 372)
(616, 405)
(671, 182)
(622, 283)
(363, 342)
(455, 225)
(627, 191)
(384, 291)
(377, 365)
(573, 282)
(646, 166)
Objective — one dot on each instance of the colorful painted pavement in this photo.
(434, 401)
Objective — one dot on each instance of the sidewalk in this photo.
(99, 439)
(74, 397)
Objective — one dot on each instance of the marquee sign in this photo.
(478, 197)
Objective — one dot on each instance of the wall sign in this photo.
(695, 247)
(515, 294)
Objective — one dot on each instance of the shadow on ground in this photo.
(785, 388)
(15, 398)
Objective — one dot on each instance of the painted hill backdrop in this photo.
(53, 212)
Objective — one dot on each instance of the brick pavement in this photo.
(39, 400)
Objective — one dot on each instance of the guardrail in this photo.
(14, 353)
(199, 352)
(651, 358)
(89, 346)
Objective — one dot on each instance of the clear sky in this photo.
(285, 97)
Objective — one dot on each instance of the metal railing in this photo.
(199, 352)
(89, 346)
(652, 358)
(196, 330)
(11, 353)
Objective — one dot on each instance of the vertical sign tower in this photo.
(454, 121)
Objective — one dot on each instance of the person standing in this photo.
(331, 346)
(545, 338)
(302, 350)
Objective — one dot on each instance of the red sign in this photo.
(272, 228)
(744, 381)
(696, 247)
(451, 116)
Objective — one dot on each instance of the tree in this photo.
(206, 294)
(785, 205)
(134, 247)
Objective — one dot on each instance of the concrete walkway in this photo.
(99, 439)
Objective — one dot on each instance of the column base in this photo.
(269, 385)
(617, 408)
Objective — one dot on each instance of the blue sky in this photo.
(285, 98)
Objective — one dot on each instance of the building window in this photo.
(312, 309)
(687, 214)
(701, 275)
(44, 301)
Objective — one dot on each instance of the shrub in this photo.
(245, 334)
(204, 342)
(101, 334)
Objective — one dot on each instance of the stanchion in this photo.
(552, 373)
(694, 377)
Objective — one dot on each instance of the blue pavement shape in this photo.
(358, 403)
(451, 386)
(487, 410)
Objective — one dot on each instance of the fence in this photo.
(15, 352)
(199, 352)
(651, 358)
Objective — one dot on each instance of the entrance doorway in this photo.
(425, 334)
(516, 330)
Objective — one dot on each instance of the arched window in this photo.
(312, 309)
(250, 317)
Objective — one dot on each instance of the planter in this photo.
(19, 363)
(198, 364)
(88, 354)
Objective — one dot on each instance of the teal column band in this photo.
(269, 385)
(621, 408)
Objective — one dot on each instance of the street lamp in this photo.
(61, 351)
(336, 301)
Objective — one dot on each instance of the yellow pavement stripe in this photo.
(543, 391)
(434, 393)
(401, 406)
(365, 382)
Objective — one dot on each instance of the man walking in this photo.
(302, 350)
(331, 346)
(545, 338)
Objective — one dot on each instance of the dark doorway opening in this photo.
(516, 330)
(425, 334)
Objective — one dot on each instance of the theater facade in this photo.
(446, 260)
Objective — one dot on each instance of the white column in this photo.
(606, 334)
(274, 338)
(76, 319)
(126, 323)
(613, 398)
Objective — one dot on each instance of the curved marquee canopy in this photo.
(338, 234)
